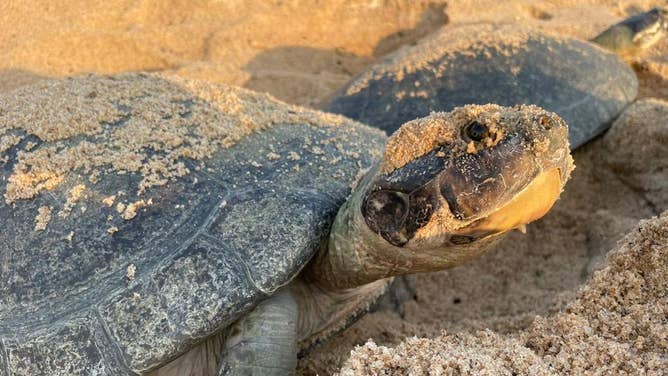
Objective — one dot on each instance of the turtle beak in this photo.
(530, 204)
(473, 193)
(504, 188)
(474, 183)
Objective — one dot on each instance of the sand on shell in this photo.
(302, 51)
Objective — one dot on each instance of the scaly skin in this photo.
(267, 339)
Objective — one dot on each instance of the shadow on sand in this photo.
(308, 76)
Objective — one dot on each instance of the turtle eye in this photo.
(476, 131)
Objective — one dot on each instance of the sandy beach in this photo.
(545, 302)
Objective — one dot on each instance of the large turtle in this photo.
(584, 82)
(149, 220)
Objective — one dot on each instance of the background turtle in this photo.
(506, 64)
(143, 216)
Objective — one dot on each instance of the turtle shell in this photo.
(502, 64)
(143, 213)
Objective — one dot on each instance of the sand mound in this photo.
(616, 325)
(636, 149)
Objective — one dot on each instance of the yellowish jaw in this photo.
(530, 204)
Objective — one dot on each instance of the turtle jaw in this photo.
(530, 204)
(650, 27)
(481, 204)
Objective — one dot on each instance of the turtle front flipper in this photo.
(635, 33)
(264, 342)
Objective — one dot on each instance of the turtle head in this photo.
(648, 27)
(451, 183)
(636, 33)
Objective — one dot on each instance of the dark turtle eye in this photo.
(476, 131)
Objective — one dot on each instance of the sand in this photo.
(302, 52)
(615, 325)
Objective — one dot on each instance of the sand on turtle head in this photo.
(421, 136)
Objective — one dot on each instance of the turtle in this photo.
(587, 83)
(156, 224)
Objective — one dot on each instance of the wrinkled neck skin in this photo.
(355, 255)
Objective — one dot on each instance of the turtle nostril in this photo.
(476, 131)
(385, 211)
